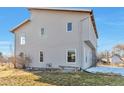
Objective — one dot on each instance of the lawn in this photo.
(15, 77)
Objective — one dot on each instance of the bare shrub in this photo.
(20, 61)
(12, 61)
(4, 64)
(2, 58)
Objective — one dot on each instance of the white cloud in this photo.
(5, 43)
(6, 47)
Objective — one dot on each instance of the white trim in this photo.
(75, 55)
(22, 39)
(61, 9)
(67, 27)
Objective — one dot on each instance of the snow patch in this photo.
(114, 70)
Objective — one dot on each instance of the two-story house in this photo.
(59, 37)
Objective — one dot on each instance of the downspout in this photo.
(80, 43)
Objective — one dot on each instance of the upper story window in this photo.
(69, 27)
(42, 31)
(22, 39)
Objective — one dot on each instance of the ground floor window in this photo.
(71, 55)
(41, 56)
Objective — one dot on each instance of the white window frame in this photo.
(67, 55)
(23, 39)
(67, 27)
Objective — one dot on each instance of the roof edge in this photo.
(16, 27)
(94, 24)
(60, 9)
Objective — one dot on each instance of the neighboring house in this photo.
(116, 59)
(58, 37)
(104, 60)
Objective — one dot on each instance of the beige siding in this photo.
(88, 34)
(88, 31)
(92, 35)
(56, 40)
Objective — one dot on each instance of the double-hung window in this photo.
(41, 56)
(69, 27)
(22, 39)
(71, 56)
(42, 31)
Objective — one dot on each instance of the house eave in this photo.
(16, 27)
(60, 9)
(94, 24)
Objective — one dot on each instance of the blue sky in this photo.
(109, 22)
(110, 26)
(10, 17)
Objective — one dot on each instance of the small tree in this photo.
(12, 60)
(20, 60)
(118, 49)
(102, 55)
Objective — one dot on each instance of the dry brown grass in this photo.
(6, 66)
(17, 77)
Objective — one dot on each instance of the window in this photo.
(71, 55)
(41, 56)
(69, 27)
(22, 40)
(42, 31)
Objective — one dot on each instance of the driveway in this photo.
(114, 70)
